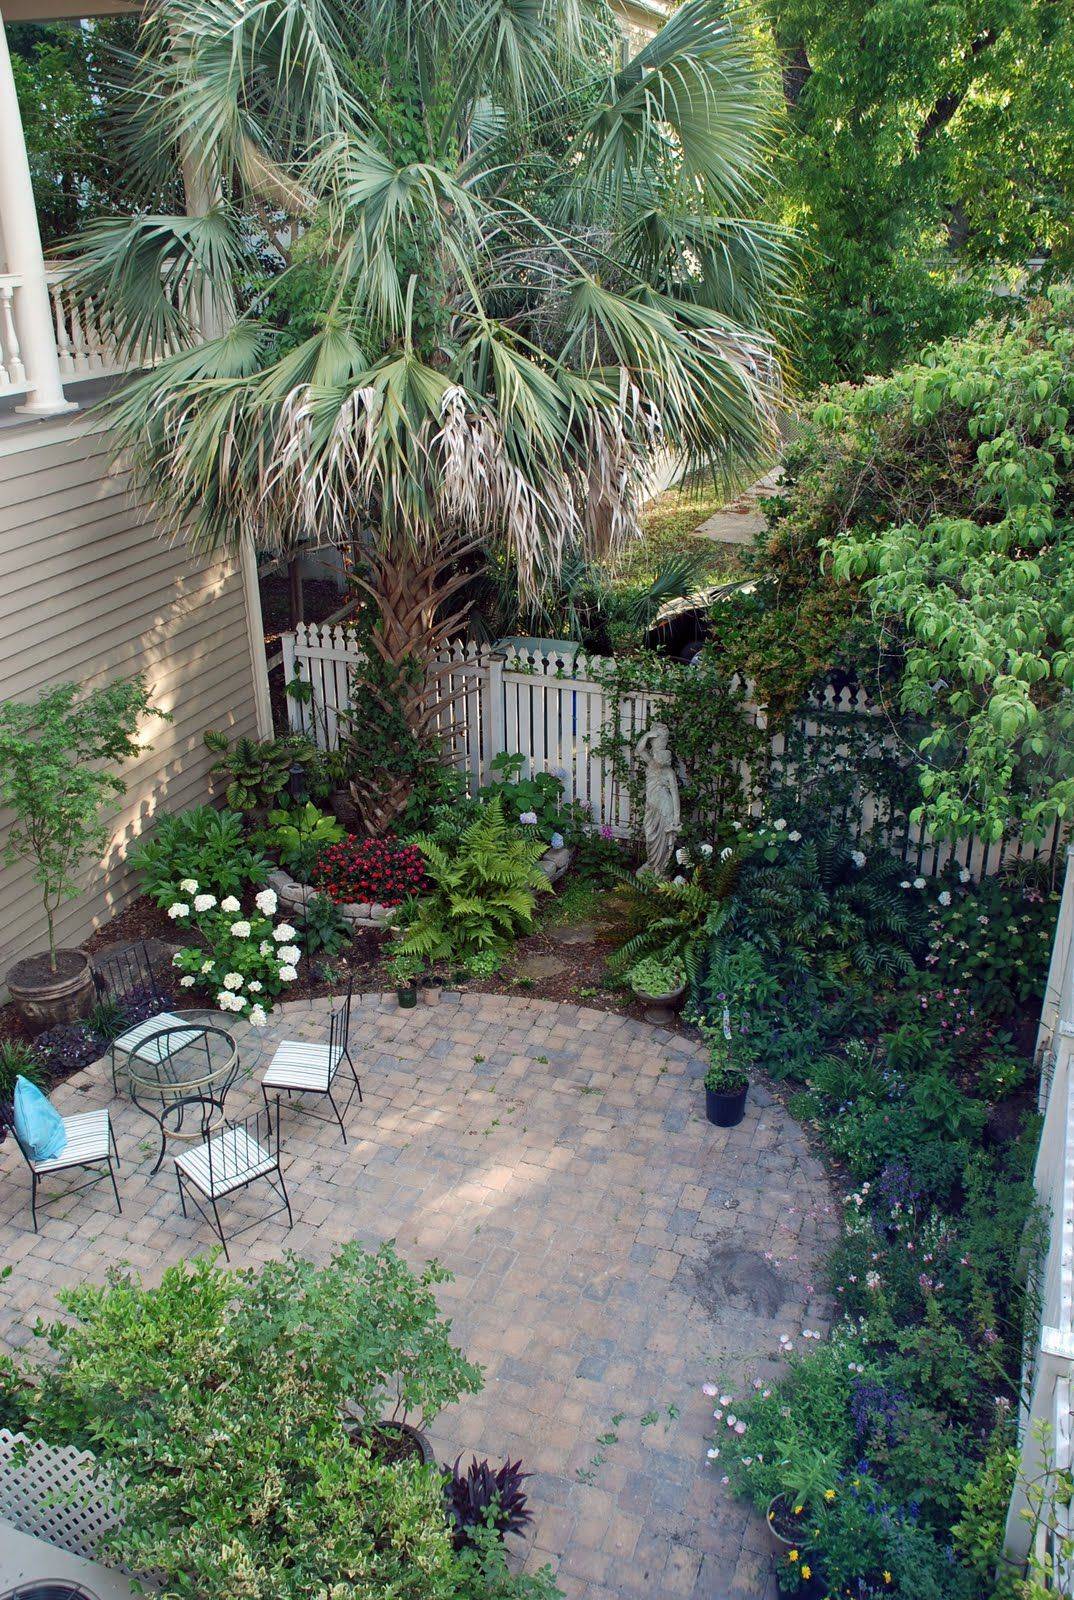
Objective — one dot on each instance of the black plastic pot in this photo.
(407, 997)
(726, 1110)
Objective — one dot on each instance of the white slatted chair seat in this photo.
(302, 1066)
(87, 1140)
(237, 1158)
(139, 1041)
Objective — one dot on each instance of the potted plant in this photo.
(806, 1478)
(727, 1079)
(659, 979)
(404, 971)
(485, 1497)
(57, 759)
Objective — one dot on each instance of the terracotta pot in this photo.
(43, 998)
(726, 1110)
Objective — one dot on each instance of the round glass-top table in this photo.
(181, 1073)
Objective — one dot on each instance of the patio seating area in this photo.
(612, 1252)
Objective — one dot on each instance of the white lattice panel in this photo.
(53, 1494)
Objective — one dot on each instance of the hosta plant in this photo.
(202, 843)
(300, 835)
(483, 893)
(484, 1496)
(653, 976)
(242, 960)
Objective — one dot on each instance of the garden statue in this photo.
(662, 813)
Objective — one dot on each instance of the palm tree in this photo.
(477, 275)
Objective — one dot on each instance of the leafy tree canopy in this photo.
(931, 149)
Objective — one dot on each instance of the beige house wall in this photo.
(90, 591)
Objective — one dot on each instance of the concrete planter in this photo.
(554, 863)
(360, 913)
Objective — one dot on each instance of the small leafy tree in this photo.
(56, 774)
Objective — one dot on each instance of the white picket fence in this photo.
(1048, 1390)
(553, 709)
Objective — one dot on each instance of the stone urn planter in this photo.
(672, 998)
(45, 999)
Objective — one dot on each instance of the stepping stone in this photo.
(573, 933)
(537, 966)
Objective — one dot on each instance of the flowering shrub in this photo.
(374, 871)
(243, 961)
(995, 935)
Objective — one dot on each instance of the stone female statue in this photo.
(662, 813)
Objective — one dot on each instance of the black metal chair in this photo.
(302, 1067)
(232, 1157)
(90, 1141)
(127, 977)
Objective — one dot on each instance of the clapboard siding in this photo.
(90, 590)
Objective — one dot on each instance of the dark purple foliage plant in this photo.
(484, 1496)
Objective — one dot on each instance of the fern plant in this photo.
(669, 919)
(483, 895)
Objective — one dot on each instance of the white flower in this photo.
(779, 824)
(258, 1016)
(177, 959)
(178, 910)
(858, 858)
(204, 902)
(232, 980)
(965, 875)
(737, 826)
(186, 983)
(680, 856)
(919, 883)
(255, 987)
(904, 884)
(678, 878)
(207, 966)
(726, 853)
(284, 934)
(230, 904)
(944, 897)
(290, 953)
(265, 947)
(714, 1454)
(266, 902)
(240, 930)
(288, 974)
(709, 1389)
(529, 818)
(706, 850)
(794, 836)
(556, 841)
(189, 885)
(227, 1002)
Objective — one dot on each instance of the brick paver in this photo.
(611, 1250)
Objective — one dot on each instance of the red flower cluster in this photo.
(378, 871)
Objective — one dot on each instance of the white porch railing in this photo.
(1049, 1366)
(12, 370)
(553, 709)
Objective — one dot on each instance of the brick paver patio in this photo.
(612, 1251)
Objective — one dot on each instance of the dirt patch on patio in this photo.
(742, 1279)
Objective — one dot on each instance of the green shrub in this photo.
(203, 845)
(216, 1399)
(298, 836)
(484, 891)
(17, 1060)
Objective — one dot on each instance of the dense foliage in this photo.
(202, 843)
(377, 871)
(216, 1399)
(930, 153)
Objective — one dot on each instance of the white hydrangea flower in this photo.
(186, 983)
(232, 980)
(794, 836)
(944, 897)
(265, 947)
(858, 858)
(706, 850)
(965, 875)
(224, 1000)
(266, 902)
(177, 910)
(779, 824)
(255, 987)
(189, 885)
(258, 1016)
(288, 974)
(290, 953)
(230, 905)
(905, 884)
(204, 902)
(919, 883)
(207, 966)
(284, 934)
(240, 930)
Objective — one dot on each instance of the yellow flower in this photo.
(792, 1555)
(887, 1577)
(798, 1510)
(807, 1570)
(829, 1494)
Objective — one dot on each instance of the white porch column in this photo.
(24, 256)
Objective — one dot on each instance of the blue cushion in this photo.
(38, 1125)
